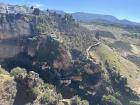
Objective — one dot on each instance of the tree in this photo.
(32, 7)
(97, 35)
(36, 11)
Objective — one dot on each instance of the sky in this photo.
(122, 9)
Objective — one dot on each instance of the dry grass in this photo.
(122, 65)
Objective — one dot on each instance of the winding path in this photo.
(89, 48)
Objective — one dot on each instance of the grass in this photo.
(121, 45)
(122, 65)
(135, 59)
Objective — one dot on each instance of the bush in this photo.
(49, 86)
(84, 102)
(2, 71)
(134, 103)
(61, 103)
(110, 100)
(49, 98)
(77, 101)
(36, 11)
(17, 71)
(35, 91)
(118, 95)
(41, 27)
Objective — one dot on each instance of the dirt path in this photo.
(89, 48)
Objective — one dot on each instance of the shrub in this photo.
(134, 103)
(35, 91)
(36, 11)
(61, 103)
(49, 86)
(118, 95)
(49, 97)
(2, 71)
(41, 27)
(110, 100)
(84, 102)
(77, 101)
(17, 71)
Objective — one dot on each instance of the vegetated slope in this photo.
(47, 49)
(135, 59)
(120, 34)
(126, 41)
(55, 48)
(120, 64)
(7, 88)
(22, 88)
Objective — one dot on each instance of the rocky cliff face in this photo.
(12, 29)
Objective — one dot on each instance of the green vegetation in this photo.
(134, 59)
(121, 45)
(41, 27)
(36, 11)
(134, 103)
(77, 101)
(121, 65)
(35, 91)
(17, 71)
(79, 39)
(49, 86)
(50, 97)
(106, 34)
(2, 71)
(110, 100)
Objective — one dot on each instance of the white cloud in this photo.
(35, 4)
(38, 5)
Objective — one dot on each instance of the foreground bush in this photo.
(134, 103)
(17, 71)
(110, 100)
(2, 71)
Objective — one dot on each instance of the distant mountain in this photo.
(58, 11)
(81, 16)
(90, 17)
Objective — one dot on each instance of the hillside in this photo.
(20, 87)
(124, 40)
(91, 17)
(126, 68)
(53, 49)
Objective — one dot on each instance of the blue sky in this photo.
(122, 9)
